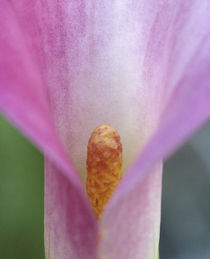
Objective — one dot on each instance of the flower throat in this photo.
(104, 166)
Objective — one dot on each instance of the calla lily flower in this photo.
(68, 66)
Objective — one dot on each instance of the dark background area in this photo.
(185, 201)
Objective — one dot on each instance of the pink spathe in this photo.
(68, 66)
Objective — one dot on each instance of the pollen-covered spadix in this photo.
(104, 166)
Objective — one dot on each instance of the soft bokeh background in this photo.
(185, 202)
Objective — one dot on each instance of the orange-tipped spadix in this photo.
(104, 166)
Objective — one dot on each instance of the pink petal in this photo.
(130, 55)
(23, 100)
(88, 80)
(22, 97)
(187, 107)
(131, 228)
(65, 219)
(86, 74)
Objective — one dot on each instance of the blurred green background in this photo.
(185, 206)
(21, 196)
